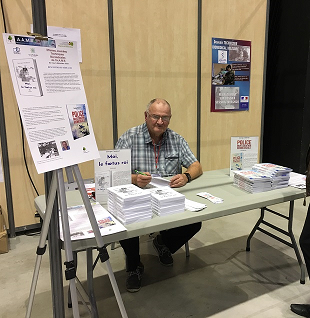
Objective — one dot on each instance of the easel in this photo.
(57, 185)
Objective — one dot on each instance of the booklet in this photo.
(80, 227)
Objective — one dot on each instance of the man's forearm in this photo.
(195, 170)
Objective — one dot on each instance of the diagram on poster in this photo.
(49, 90)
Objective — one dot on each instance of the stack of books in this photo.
(129, 203)
(279, 175)
(252, 181)
(166, 201)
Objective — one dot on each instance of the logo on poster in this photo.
(16, 50)
(244, 144)
(222, 56)
(244, 98)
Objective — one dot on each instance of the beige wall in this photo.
(156, 56)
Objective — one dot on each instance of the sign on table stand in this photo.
(243, 153)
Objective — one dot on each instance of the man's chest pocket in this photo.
(172, 164)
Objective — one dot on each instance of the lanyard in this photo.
(156, 154)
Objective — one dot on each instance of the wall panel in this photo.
(156, 56)
(244, 20)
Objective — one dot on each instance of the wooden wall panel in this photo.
(18, 19)
(237, 19)
(156, 56)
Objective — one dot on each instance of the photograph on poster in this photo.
(78, 120)
(223, 74)
(65, 145)
(230, 83)
(48, 149)
(27, 77)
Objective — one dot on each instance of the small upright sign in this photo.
(243, 153)
(113, 168)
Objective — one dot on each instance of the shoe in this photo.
(301, 309)
(164, 253)
(133, 282)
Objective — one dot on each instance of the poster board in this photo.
(51, 99)
(231, 65)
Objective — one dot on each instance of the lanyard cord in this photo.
(156, 154)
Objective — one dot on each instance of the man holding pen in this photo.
(157, 150)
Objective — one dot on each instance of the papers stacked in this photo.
(280, 175)
(252, 181)
(129, 203)
(167, 201)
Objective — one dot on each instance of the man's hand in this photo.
(178, 180)
(141, 180)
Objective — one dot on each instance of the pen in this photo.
(139, 172)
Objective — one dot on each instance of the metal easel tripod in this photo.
(57, 184)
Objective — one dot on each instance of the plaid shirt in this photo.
(173, 151)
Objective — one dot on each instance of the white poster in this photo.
(113, 168)
(243, 153)
(51, 98)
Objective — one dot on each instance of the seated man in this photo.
(157, 150)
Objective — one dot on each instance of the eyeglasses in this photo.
(165, 119)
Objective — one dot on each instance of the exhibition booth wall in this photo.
(156, 55)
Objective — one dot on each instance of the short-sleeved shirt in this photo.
(165, 159)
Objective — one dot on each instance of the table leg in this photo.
(288, 233)
(262, 214)
(295, 247)
(90, 283)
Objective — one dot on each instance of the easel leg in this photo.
(104, 257)
(42, 242)
(70, 271)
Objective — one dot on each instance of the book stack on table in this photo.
(167, 201)
(129, 203)
(279, 175)
(252, 181)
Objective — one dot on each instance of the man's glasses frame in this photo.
(165, 119)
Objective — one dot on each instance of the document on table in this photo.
(159, 182)
(80, 227)
(210, 197)
(297, 180)
(194, 206)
